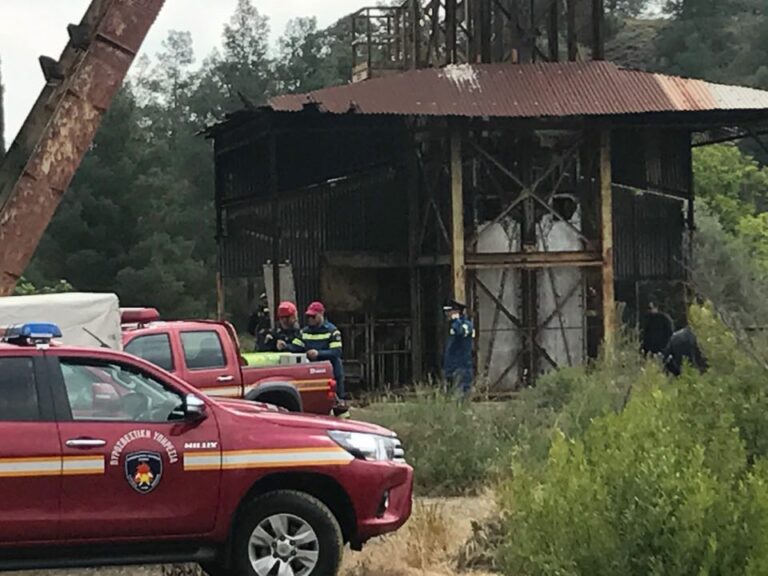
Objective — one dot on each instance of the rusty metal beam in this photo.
(43, 159)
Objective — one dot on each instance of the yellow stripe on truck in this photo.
(51, 466)
(282, 458)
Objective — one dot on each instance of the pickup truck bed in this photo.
(207, 355)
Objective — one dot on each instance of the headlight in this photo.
(370, 446)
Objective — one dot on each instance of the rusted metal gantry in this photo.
(434, 33)
(79, 89)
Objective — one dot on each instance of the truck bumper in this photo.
(385, 500)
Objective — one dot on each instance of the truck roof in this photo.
(173, 324)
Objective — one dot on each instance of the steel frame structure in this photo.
(433, 33)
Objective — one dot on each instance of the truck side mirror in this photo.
(194, 408)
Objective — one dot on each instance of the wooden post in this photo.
(412, 189)
(415, 34)
(553, 32)
(219, 296)
(274, 189)
(458, 268)
(486, 31)
(573, 46)
(598, 29)
(451, 29)
(606, 232)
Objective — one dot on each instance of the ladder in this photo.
(50, 146)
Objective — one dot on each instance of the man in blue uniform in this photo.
(457, 364)
(322, 341)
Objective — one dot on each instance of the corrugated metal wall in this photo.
(648, 236)
(363, 213)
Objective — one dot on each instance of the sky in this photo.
(31, 28)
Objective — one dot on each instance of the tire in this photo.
(317, 552)
(279, 399)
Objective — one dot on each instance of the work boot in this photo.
(340, 408)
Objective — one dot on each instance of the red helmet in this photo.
(287, 310)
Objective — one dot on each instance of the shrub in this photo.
(457, 447)
(452, 445)
(663, 487)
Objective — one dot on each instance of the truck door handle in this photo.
(84, 443)
(225, 379)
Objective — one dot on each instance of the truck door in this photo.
(130, 422)
(30, 454)
(208, 364)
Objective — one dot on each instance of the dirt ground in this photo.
(426, 546)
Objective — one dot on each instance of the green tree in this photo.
(245, 67)
(27, 288)
(712, 39)
(732, 184)
(303, 49)
(627, 8)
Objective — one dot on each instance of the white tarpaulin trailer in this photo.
(91, 320)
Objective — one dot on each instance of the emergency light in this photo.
(32, 333)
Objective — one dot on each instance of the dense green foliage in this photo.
(676, 483)
(139, 219)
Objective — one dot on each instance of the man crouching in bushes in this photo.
(683, 347)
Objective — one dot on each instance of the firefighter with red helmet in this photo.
(286, 337)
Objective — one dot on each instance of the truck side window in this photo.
(18, 391)
(203, 350)
(101, 391)
(155, 348)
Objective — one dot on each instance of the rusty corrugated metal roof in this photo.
(527, 91)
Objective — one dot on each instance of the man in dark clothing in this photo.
(260, 323)
(322, 341)
(657, 331)
(683, 347)
(457, 361)
(287, 336)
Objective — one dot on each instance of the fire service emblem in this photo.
(143, 471)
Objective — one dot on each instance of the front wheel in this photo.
(288, 533)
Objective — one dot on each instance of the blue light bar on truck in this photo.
(35, 333)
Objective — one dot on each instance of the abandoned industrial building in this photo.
(474, 158)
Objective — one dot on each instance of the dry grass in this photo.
(427, 546)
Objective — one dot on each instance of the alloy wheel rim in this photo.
(283, 545)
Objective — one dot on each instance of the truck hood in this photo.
(248, 407)
(281, 417)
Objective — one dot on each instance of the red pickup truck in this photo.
(107, 460)
(206, 354)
